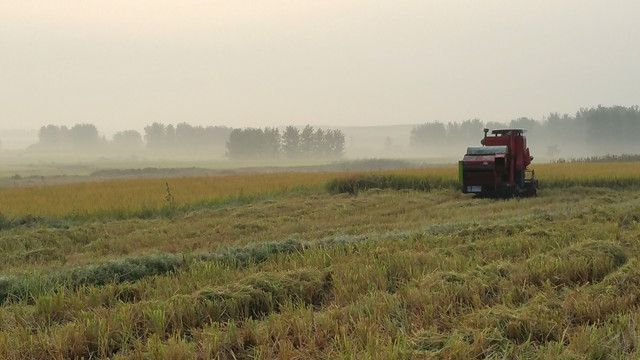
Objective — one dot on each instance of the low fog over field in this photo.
(589, 132)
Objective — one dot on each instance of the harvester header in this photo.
(499, 166)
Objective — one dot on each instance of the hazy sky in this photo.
(125, 64)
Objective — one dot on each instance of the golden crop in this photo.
(132, 195)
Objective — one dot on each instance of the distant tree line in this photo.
(598, 130)
(612, 126)
(182, 138)
(292, 143)
(185, 138)
(78, 137)
(249, 143)
(437, 135)
(590, 131)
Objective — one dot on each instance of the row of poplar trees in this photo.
(292, 143)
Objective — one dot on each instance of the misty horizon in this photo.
(124, 65)
(594, 131)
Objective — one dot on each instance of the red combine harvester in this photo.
(499, 167)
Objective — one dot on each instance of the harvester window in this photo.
(487, 150)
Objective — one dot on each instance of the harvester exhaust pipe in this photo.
(485, 135)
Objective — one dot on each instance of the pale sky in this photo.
(122, 64)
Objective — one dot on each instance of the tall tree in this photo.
(428, 136)
(306, 141)
(155, 136)
(319, 144)
(335, 143)
(246, 144)
(170, 136)
(524, 123)
(291, 142)
(84, 136)
(187, 136)
(52, 136)
(129, 140)
(467, 132)
(271, 143)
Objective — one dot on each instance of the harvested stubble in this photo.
(16, 288)
(551, 277)
(262, 294)
(576, 265)
(103, 332)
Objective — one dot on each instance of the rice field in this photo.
(135, 197)
(277, 266)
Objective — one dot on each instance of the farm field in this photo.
(398, 266)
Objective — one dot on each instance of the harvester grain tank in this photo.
(499, 166)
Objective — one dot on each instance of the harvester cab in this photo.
(499, 166)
